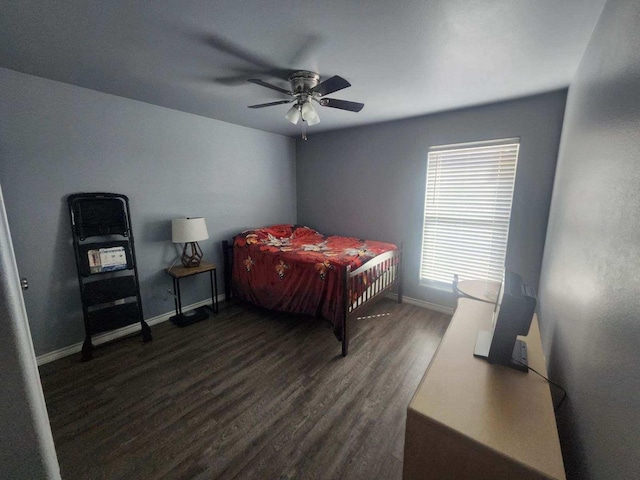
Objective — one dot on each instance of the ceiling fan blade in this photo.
(235, 50)
(305, 54)
(268, 85)
(341, 104)
(331, 85)
(262, 105)
(231, 80)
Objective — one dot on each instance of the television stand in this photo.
(518, 358)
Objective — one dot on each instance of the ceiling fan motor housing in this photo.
(303, 81)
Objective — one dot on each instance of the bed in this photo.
(295, 269)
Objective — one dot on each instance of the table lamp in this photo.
(189, 231)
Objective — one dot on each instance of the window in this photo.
(467, 209)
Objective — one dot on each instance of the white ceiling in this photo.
(403, 58)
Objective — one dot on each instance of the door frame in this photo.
(27, 449)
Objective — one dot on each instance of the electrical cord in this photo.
(564, 392)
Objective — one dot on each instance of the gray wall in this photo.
(589, 294)
(369, 182)
(57, 139)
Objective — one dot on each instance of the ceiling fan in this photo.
(305, 88)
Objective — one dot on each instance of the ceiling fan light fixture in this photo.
(293, 115)
(309, 114)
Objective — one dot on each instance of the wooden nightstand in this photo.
(177, 272)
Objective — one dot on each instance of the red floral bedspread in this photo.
(295, 269)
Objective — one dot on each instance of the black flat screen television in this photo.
(512, 315)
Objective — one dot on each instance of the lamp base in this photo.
(192, 258)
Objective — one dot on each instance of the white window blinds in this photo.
(467, 209)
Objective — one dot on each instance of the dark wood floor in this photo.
(246, 394)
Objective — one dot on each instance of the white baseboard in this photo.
(423, 304)
(130, 329)
(120, 332)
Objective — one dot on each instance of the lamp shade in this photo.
(293, 115)
(185, 230)
(309, 114)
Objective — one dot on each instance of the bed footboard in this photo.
(367, 284)
(363, 287)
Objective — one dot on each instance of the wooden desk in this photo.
(473, 419)
(485, 291)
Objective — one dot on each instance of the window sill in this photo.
(437, 286)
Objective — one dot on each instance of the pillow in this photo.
(300, 231)
(279, 231)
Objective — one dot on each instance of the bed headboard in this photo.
(227, 259)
